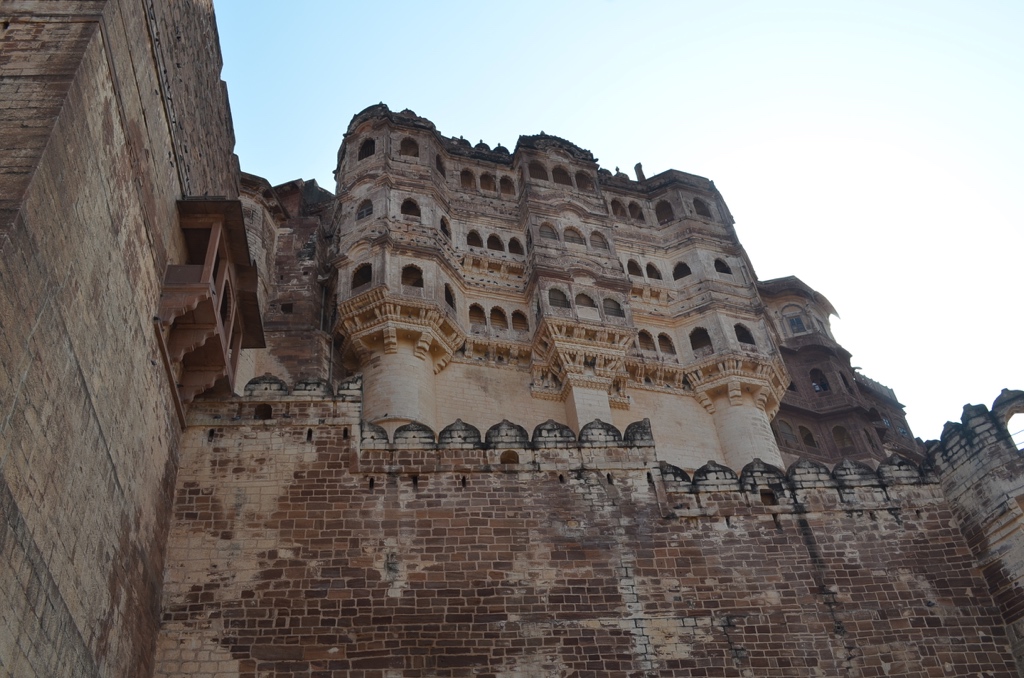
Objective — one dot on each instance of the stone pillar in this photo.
(744, 430)
(398, 386)
(586, 401)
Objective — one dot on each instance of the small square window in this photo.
(796, 325)
(287, 308)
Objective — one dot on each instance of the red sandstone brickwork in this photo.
(295, 558)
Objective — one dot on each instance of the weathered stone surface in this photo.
(598, 567)
(307, 523)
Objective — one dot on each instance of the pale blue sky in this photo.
(872, 149)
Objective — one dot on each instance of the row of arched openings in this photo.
(787, 436)
(494, 243)
(410, 208)
(573, 237)
(663, 211)
(559, 299)
(498, 318)
(410, 148)
(680, 271)
(561, 176)
(488, 184)
(700, 339)
(412, 276)
(664, 345)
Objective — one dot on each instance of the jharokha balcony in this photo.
(209, 309)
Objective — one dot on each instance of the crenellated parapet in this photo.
(505, 446)
(982, 475)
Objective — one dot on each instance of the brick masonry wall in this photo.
(295, 553)
(88, 435)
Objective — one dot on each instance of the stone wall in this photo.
(304, 547)
(94, 158)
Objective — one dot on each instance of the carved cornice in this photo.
(728, 373)
(372, 321)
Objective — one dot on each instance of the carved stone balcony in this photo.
(209, 310)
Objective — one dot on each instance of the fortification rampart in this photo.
(308, 543)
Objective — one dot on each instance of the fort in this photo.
(476, 412)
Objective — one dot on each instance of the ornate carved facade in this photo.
(478, 412)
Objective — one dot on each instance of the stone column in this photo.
(586, 401)
(743, 426)
(398, 385)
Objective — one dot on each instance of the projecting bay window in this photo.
(208, 307)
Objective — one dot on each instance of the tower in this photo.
(472, 282)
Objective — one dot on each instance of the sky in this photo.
(873, 149)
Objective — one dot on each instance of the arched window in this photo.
(680, 271)
(548, 231)
(574, 237)
(664, 212)
(365, 209)
(701, 208)
(1016, 428)
(412, 277)
(468, 180)
(599, 242)
(473, 239)
(652, 272)
(584, 182)
(449, 298)
(557, 299)
(514, 246)
(665, 344)
(537, 171)
(646, 341)
(477, 315)
(498, 319)
(509, 457)
(507, 187)
(439, 164)
(743, 335)
(585, 301)
(494, 243)
(487, 183)
(618, 210)
(807, 437)
(842, 437)
(444, 228)
(635, 213)
(846, 382)
(560, 176)
(263, 412)
(519, 322)
(613, 309)
(410, 208)
(700, 342)
(368, 148)
(409, 148)
(633, 268)
(818, 381)
(722, 267)
(787, 434)
(363, 275)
